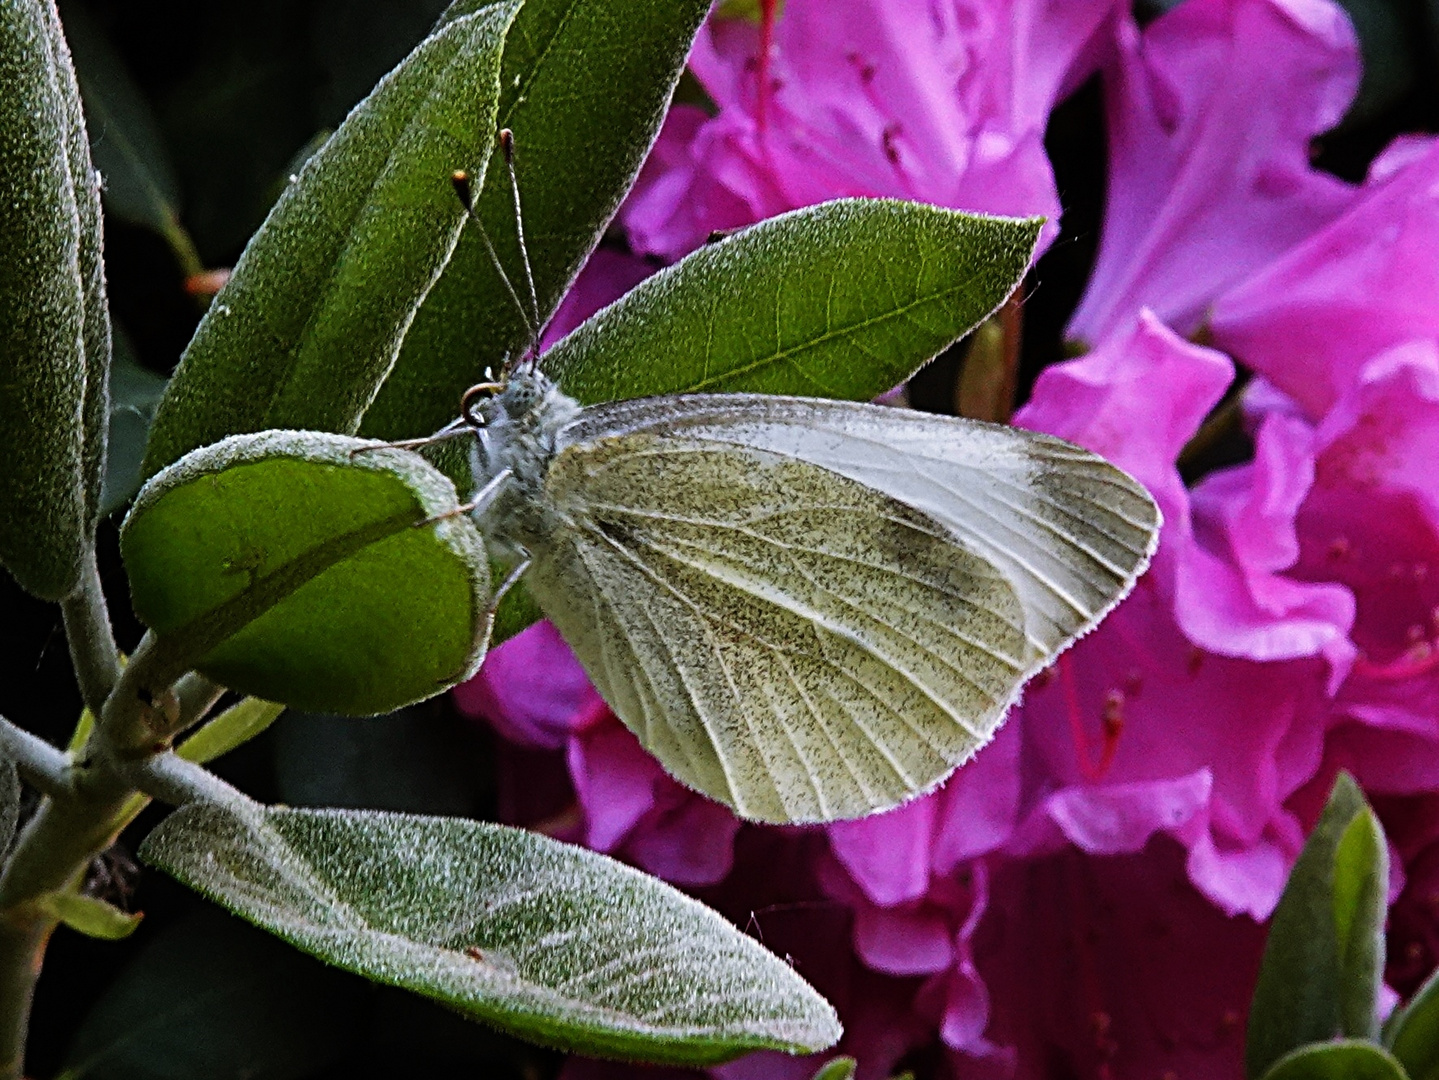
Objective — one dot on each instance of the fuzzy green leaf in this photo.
(841, 300)
(548, 941)
(1361, 894)
(1344, 1060)
(287, 566)
(840, 1068)
(1412, 1033)
(585, 84)
(54, 325)
(311, 321)
(1311, 979)
(93, 917)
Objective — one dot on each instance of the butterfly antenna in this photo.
(507, 150)
(465, 193)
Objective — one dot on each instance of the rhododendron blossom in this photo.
(944, 103)
(1087, 896)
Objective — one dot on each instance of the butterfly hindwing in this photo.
(786, 639)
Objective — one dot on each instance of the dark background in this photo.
(234, 93)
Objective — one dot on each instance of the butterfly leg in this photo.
(482, 499)
(509, 582)
(488, 623)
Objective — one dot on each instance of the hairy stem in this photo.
(22, 947)
(76, 822)
(92, 642)
(41, 765)
(171, 779)
(50, 855)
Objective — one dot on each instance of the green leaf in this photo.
(840, 1068)
(213, 999)
(287, 566)
(1412, 1033)
(841, 300)
(310, 323)
(54, 328)
(125, 139)
(1361, 892)
(95, 330)
(548, 941)
(585, 85)
(93, 917)
(1345, 1060)
(234, 727)
(1301, 995)
(135, 391)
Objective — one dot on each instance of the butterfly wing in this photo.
(783, 638)
(1068, 529)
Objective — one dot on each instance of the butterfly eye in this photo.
(474, 396)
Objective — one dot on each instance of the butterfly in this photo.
(807, 609)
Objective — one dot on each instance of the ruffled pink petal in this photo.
(887, 855)
(1137, 400)
(1113, 819)
(1372, 519)
(978, 806)
(1311, 319)
(940, 103)
(686, 838)
(531, 689)
(909, 940)
(615, 779)
(1233, 596)
(1211, 109)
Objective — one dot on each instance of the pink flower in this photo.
(1135, 732)
(1111, 967)
(1312, 319)
(1211, 109)
(938, 102)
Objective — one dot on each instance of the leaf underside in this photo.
(549, 941)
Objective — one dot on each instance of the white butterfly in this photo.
(805, 609)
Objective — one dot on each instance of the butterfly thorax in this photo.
(519, 439)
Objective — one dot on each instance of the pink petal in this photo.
(903, 941)
(887, 855)
(1211, 109)
(941, 103)
(532, 689)
(686, 839)
(615, 779)
(1310, 320)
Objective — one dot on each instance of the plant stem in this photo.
(171, 779)
(22, 946)
(92, 642)
(72, 826)
(41, 765)
(50, 855)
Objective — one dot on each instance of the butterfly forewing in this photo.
(790, 641)
(1069, 530)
